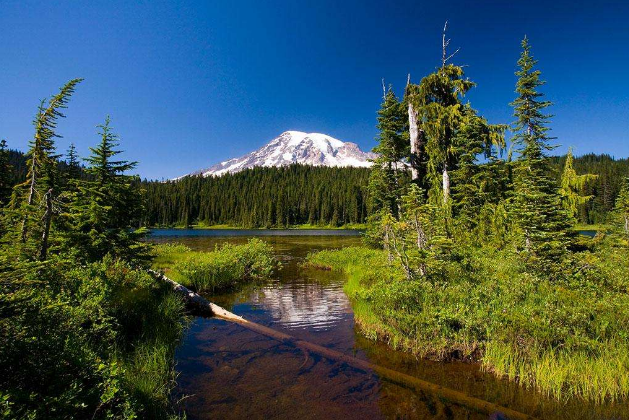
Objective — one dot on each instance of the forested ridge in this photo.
(262, 197)
(279, 197)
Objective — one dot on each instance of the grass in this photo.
(219, 270)
(567, 338)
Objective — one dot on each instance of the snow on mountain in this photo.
(296, 147)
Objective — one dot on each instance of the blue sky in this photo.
(188, 84)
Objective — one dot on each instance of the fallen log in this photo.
(201, 306)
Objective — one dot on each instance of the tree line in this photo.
(261, 197)
(167, 203)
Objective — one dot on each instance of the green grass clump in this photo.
(218, 270)
(566, 337)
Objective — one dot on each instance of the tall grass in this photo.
(567, 338)
(218, 270)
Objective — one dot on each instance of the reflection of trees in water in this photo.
(309, 305)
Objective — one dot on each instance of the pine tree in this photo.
(536, 203)
(387, 177)
(473, 184)
(453, 134)
(43, 175)
(72, 162)
(572, 187)
(622, 205)
(108, 205)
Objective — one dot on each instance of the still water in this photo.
(226, 371)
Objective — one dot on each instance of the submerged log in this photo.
(203, 307)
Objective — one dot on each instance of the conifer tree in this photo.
(43, 175)
(72, 161)
(622, 205)
(108, 205)
(536, 203)
(572, 187)
(473, 184)
(446, 125)
(386, 180)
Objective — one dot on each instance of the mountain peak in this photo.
(290, 147)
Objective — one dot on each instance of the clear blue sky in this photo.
(188, 84)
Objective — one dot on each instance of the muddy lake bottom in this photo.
(226, 371)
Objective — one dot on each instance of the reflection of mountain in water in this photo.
(305, 305)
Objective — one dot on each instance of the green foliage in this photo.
(536, 204)
(388, 177)
(5, 173)
(610, 174)
(73, 167)
(622, 206)
(454, 132)
(451, 283)
(36, 195)
(261, 197)
(573, 186)
(72, 339)
(563, 336)
(82, 334)
(219, 270)
(105, 206)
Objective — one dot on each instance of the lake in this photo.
(226, 371)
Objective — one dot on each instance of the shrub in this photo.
(221, 269)
(74, 341)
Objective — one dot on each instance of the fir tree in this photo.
(108, 205)
(622, 205)
(387, 177)
(72, 162)
(43, 174)
(446, 124)
(572, 187)
(536, 203)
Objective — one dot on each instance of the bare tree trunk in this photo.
(387, 243)
(47, 218)
(401, 253)
(627, 224)
(416, 137)
(446, 184)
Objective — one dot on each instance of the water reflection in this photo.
(230, 372)
(304, 305)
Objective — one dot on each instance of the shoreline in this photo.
(293, 227)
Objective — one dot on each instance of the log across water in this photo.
(202, 307)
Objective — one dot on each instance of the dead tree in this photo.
(416, 135)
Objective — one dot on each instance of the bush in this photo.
(75, 342)
(219, 270)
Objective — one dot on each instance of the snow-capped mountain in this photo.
(296, 147)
